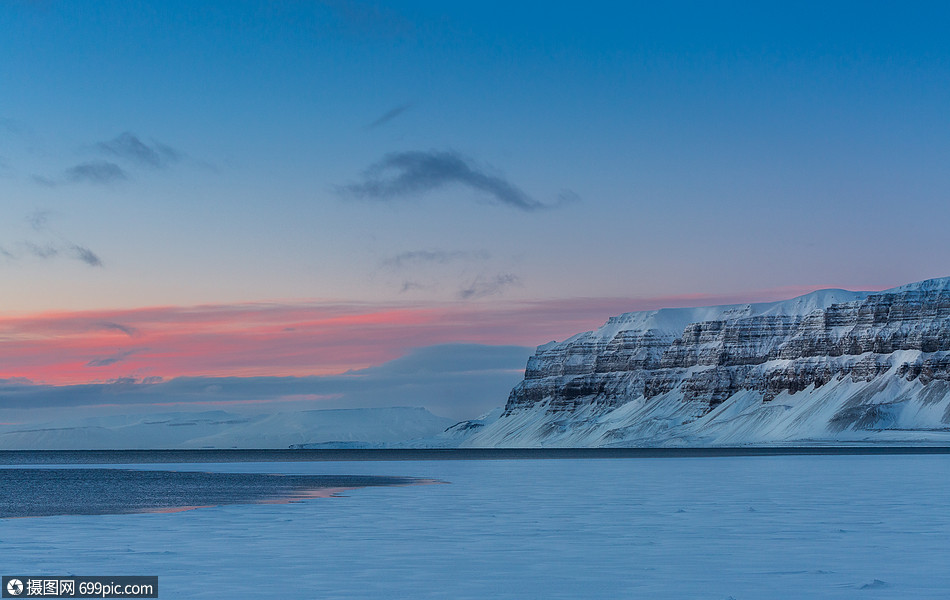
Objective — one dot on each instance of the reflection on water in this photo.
(48, 492)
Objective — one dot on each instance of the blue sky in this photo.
(171, 154)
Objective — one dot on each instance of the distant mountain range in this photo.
(342, 428)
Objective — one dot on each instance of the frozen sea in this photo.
(744, 527)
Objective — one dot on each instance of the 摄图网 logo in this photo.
(14, 587)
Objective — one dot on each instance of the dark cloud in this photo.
(55, 245)
(389, 116)
(96, 171)
(487, 286)
(85, 255)
(421, 257)
(111, 360)
(126, 147)
(129, 147)
(405, 173)
(408, 286)
(49, 250)
(103, 362)
(110, 326)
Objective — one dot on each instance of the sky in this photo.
(292, 190)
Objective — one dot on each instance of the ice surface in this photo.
(698, 528)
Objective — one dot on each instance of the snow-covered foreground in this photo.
(747, 527)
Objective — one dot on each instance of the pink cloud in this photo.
(300, 338)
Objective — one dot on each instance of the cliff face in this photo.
(832, 365)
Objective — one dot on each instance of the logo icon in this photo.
(14, 587)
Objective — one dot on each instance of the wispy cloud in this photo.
(54, 245)
(38, 220)
(423, 257)
(481, 286)
(97, 171)
(50, 250)
(46, 250)
(85, 255)
(389, 115)
(111, 360)
(111, 326)
(408, 286)
(431, 269)
(401, 174)
(129, 147)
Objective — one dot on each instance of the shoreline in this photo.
(50, 457)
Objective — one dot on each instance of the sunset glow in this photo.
(286, 339)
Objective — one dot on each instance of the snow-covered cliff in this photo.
(830, 366)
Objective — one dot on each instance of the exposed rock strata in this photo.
(691, 361)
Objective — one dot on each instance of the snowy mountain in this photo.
(361, 427)
(830, 366)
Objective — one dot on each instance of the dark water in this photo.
(34, 492)
(26, 492)
(59, 457)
